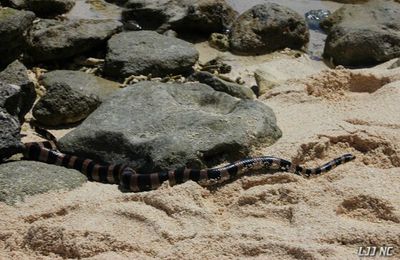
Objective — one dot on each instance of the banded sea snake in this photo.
(129, 180)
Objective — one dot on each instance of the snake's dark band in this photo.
(132, 181)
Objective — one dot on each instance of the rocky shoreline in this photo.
(196, 84)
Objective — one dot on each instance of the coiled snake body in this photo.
(130, 180)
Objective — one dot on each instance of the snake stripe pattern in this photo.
(130, 180)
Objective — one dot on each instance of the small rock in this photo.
(16, 74)
(54, 39)
(157, 126)
(13, 26)
(395, 64)
(219, 41)
(266, 28)
(218, 84)
(26, 178)
(11, 105)
(361, 35)
(71, 96)
(10, 138)
(147, 52)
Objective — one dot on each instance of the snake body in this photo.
(130, 180)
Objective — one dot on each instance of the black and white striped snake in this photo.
(131, 181)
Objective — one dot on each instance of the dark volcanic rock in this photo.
(10, 139)
(13, 25)
(200, 16)
(268, 27)
(145, 52)
(363, 34)
(23, 178)
(53, 39)
(44, 8)
(218, 84)
(16, 74)
(157, 126)
(71, 96)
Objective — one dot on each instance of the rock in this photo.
(275, 72)
(82, 82)
(363, 34)
(147, 52)
(54, 39)
(71, 96)
(155, 126)
(16, 74)
(13, 26)
(266, 28)
(201, 16)
(10, 110)
(395, 64)
(26, 178)
(44, 8)
(219, 41)
(218, 84)
(10, 139)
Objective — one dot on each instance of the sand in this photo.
(280, 216)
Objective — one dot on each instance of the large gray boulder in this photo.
(16, 74)
(147, 52)
(363, 34)
(26, 178)
(44, 8)
(13, 26)
(201, 16)
(266, 28)
(71, 96)
(54, 39)
(154, 126)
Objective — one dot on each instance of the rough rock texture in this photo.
(24, 178)
(10, 139)
(156, 126)
(54, 39)
(144, 52)
(63, 105)
(16, 74)
(204, 16)
(219, 41)
(80, 81)
(44, 8)
(268, 27)
(13, 25)
(71, 96)
(219, 84)
(363, 34)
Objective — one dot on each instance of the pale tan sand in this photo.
(279, 216)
